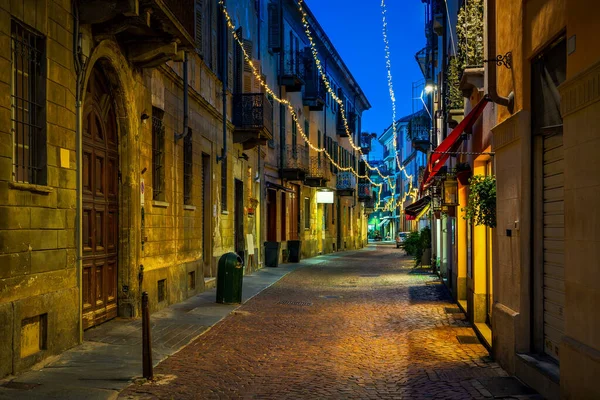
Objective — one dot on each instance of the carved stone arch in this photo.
(121, 87)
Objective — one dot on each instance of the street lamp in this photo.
(450, 192)
(430, 86)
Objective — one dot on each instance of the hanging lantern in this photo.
(450, 192)
(436, 201)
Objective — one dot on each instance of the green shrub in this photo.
(416, 243)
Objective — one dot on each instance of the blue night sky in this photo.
(355, 28)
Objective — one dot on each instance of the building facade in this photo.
(526, 123)
(140, 146)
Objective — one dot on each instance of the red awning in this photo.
(451, 143)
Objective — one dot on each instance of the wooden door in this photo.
(240, 243)
(100, 204)
(271, 215)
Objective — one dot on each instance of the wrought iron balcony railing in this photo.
(292, 75)
(345, 183)
(341, 128)
(318, 172)
(365, 191)
(253, 119)
(314, 88)
(295, 165)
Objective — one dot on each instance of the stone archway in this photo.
(100, 202)
(119, 83)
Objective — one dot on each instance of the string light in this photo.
(285, 102)
(334, 95)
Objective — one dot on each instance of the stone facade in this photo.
(171, 221)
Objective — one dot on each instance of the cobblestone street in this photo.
(361, 326)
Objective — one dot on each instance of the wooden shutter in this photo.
(214, 38)
(249, 47)
(231, 44)
(274, 28)
(199, 11)
(248, 76)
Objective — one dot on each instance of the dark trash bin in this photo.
(272, 254)
(230, 276)
(293, 250)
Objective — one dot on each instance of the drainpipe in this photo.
(186, 129)
(224, 73)
(281, 106)
(79, 63)
(509, 102)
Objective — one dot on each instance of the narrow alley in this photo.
(365, 325)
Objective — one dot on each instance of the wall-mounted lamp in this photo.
(430, 86)
(243, 156)
(144, 117)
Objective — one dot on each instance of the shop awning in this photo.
(450, 144)
(415, 208)
(384, 223)
(271, 185)
(423, 212)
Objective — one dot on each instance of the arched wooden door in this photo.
(100, 203)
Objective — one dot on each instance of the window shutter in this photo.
(230, 66)
(274, 28)
(214, 37)
(249, 47)
(198, 9)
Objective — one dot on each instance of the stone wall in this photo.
(39, 296)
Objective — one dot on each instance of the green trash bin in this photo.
(230, 276)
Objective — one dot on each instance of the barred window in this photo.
(224, 185)
(294, 139)
(28, 99)
(187, 169)
(306, 213)
(158, 154)
(319, 145)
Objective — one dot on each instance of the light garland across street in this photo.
(285, 102)
(334, 95)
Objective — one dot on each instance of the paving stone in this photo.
(384, 336)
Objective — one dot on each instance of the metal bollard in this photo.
(146, 340)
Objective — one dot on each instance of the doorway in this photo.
(548, 301)
(100, 196)
(271, 215)
(238, 219)
(206, 216)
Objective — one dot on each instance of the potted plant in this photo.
(481, 207)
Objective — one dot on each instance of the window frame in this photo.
(34, 169)
(158, 155)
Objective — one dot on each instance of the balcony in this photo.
(370, 205)
(314, 88)
(418, 132)
(318, 172)
(365, 142)
(365, 191)
(295, 165)
(340, 127)
(292, 75)
(346, 183)
(253, 119)
(150, 31)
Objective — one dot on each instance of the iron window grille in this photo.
(306, 213)
(158, 154)
(224, 185)
(187, 169)
(28, 104)
(294, 140)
